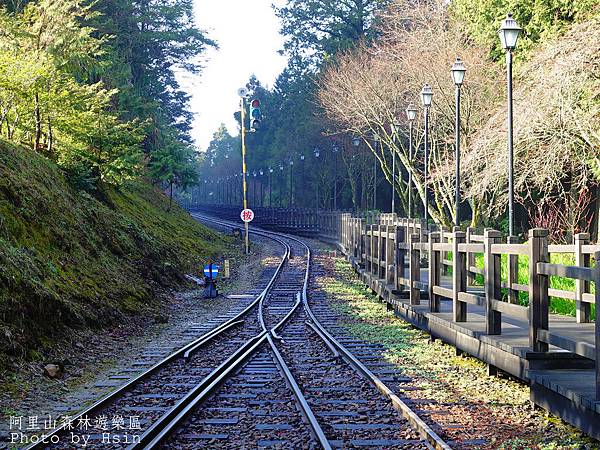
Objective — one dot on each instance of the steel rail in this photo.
(168, 422)
(186, 351)
(305, 408)
(426, 432)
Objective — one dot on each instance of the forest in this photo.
(336, 115)
(93, 86)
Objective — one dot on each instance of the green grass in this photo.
(442, 376)
(69, 259)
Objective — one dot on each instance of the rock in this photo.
(52, 371)
(161, 318)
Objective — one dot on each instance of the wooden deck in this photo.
(561, 382)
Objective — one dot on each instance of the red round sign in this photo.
(247, 215)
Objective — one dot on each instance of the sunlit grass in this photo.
(435, 369)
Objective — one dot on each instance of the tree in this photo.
(174, 164)
(318, 29)
(415, 45)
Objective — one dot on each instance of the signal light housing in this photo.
(255, 114)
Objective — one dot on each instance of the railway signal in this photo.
(255, 114)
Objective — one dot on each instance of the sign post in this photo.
(247, 215)
(243, 93)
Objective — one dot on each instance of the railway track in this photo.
(271, 375)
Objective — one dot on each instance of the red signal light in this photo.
(255, 103)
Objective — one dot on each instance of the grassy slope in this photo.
(68, 259)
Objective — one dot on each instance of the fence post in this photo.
(492, 280)
(583, 312)
(513, 272)
(470, 258)
(389, 245)
(597, 324)
(414, 268)
(459, 276)
(434, 272)
(400, 258)
(444, 257)
(369, 245)
(538, 288)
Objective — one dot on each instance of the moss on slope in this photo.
(68, 259)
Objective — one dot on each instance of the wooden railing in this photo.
(394, 250)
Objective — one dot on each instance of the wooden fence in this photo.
(393, 250)
(436, 264)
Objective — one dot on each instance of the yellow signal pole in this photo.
(244, 181)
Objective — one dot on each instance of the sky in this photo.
(241, 53)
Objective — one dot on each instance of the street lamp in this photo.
(291, 198)
(509, 33)
(317, 152)
(270, 187)
(302, 181)
(335, 149)
(281, 184)
(411, 114)
(261, 173)
(397, 133)
(377, 139)
(458, 75)
(254, 189)
(426, 99)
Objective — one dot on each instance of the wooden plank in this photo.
(459, 276)
(472, 248)
(561, 248)
(583, 312)
(562, 293)
(519, 311)
(414, 270)
(444, 292)
(588, 298)
(590, 249)
(597, 324)
(434, 272)
(477, 270)
(578, 347)
(558, 270)
(472, 299)
(492, 282)
(538, 288)
(442, 246)
(511, 249)
(513, 272)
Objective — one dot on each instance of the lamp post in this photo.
(355, 143)
(261, 173)
(302, 181)
(377, 139)
(282, 183)
(317, 153)
(411, 114)
(335, 149)
(426, 98)
(291, 198)
(270, 187)
(509, 33)
(397, 134)
(254, 189)
(458, 76)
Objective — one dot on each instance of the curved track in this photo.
(231, 388)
